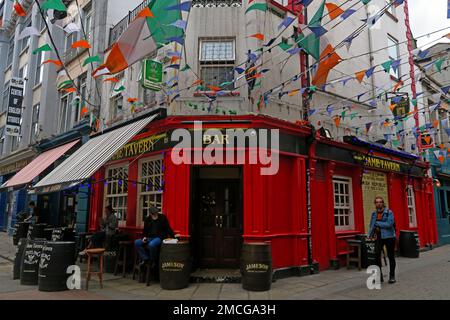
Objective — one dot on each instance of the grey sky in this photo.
(428, 16)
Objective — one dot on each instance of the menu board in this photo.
(374, 184)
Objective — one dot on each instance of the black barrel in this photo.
(109, 260)
(175, 265)
(30, 262)
(256, 266)
(55, 259)
(48, 232)
(37, 231)
(18, 258)
(21, 231)
(409, 244)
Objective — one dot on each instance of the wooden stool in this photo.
(351, 244)
(91, 253)
(123, 246)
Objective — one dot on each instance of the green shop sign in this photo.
(152, 72)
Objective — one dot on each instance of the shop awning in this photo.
(37, 166)
(89, 158)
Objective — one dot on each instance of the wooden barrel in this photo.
(409, 244)
(256, 266)
(175, 265)
(21, 231)
(18, 258)
(37, 231)
(56, 257)
(30, 262)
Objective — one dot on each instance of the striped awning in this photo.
(37, 166)
(89, 158)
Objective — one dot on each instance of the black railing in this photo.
(116, 31)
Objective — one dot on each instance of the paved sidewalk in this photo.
(425, 278)
(7, 249)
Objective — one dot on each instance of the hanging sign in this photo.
(426, 141)
(401, 108)
(14, 114)
(152, 72)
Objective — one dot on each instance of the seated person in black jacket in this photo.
(156, 229)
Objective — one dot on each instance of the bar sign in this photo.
(14, 115)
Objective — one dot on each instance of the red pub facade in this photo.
(320, 196)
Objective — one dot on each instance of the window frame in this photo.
(397, 48)
(5, 96)
(141, 194)
(107, 197)
(68, 110)
(412, 218)
(35, 122)
(11, 47)
(88, 15)
(39, 73)
(351, 216)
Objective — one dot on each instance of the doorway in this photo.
(216, 216)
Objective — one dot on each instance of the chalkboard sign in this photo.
(371, 246)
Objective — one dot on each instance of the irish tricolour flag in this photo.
(152, 28)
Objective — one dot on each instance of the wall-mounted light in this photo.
(325, 133)
(437, 183)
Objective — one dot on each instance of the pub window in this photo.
(217, 60)
(116, 191)
(411, 207)
(150, 185)
(343, 203)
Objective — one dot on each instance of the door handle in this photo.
(217, 224)
(221, 222)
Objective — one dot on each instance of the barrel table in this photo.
(21, 231)
(175, 265)
(30, 262)
(18, 258)
(256, 266)
(56, 257)
(409, 244)
(37, 231)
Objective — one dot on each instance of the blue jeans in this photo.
(151, 245)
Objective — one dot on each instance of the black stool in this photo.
(121, 260)
(151, 272)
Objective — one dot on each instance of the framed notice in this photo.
(374, 184)
(152, 72)
(14, 112)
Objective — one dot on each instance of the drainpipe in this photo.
(370, 56)
(310, 174)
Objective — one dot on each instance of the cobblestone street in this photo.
(425, 278)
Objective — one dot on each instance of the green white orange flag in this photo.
(151, 29)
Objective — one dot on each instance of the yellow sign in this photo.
(377, 163)
(374, 185)
(138, 147)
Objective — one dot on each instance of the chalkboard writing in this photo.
(45, 257)
(30, 231)
(33, 253)
(57, 234)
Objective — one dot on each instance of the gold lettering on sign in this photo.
(377, 163)
(216, 139)
(172, 266)
(138, 147)
(256, 267)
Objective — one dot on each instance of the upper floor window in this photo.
(394, 54)
(116, 191)
(217, 60)
(87, 21)
(39, 76)
(35, 129)
(391, 9)
(5, 97)
(70, 39)
(40, 23)
(10, 52)
(343, 203)
(25, 42)
(23, 74)
(65, 109)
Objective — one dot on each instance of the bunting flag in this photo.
(19, 9)
(197, 83)
(435, 124)
(83, 111)
(360, 75)
(365, 1)
(91, 60)
(102, 72)
(304, 3)
(258, 36)
(368, 125)
(328, 60)
(333, 10)
(54, 4)
(311, 43)
(446, 89)
(145, 34)
(28, 32)
(285, 46)
(81, 44)
(347, 13)
(257, 6)
(57, 63)
(337, 121)
(387, 65)
(369, 72)
(318, 30)
(186, 67)
(329, 110)
(43, 48)
(70, 90)
(395, 64)
(286, 22)
(438, 64)
(180, 24)
(112, 79)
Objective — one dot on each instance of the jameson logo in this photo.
(138, 147)
(377, 163)
(256, 267)
(172, 266)
(234, 147)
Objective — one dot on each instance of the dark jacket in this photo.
(158, 228)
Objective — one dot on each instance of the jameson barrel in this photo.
(21, 231)
(18, 258)
(409, 244)
(30, 262)
(175, 265)
(37, 231)
(256, 266)
(56, 257)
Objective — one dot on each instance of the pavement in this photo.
(427, 277)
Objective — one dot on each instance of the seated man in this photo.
(156, 229)
(108, 227)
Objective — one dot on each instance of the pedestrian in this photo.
(156, 229)
(108, 228)
(382, 228)
(34, 213)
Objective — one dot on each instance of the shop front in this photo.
(346, 178)
(216, 204)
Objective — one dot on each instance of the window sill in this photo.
(24, 51)
(390, 15)
(8, 68)
(37, 86)
(213, 93)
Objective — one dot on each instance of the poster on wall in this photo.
(374, 184)
(14, 115)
